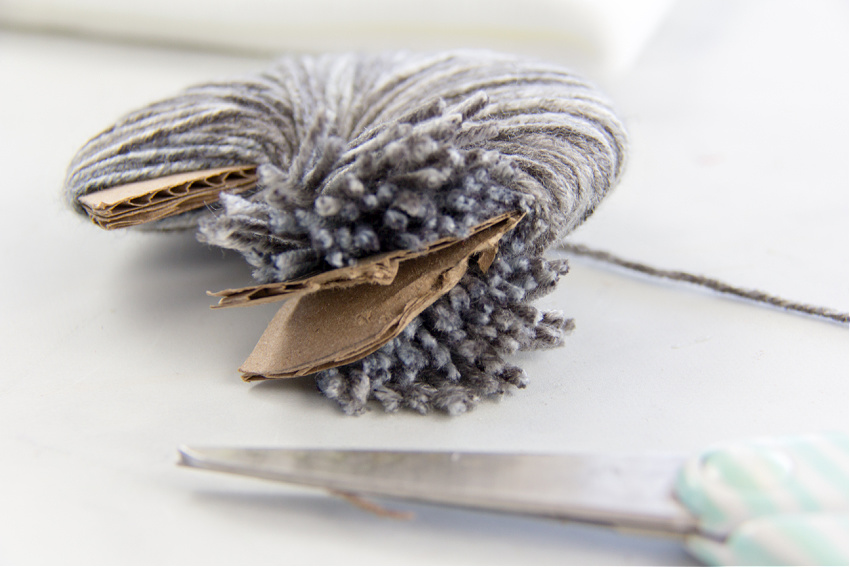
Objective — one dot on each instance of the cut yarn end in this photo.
(360, 155)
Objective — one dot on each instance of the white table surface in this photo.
(111, 358)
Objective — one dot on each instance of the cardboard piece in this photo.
(153, 199)
(380, 269)
(344, 319)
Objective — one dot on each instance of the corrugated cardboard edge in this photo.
(154, 199)
(339, 325)
(380, 269)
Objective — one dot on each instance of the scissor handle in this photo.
(782, 539)
(781, 501)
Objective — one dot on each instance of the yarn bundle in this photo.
(364, 154)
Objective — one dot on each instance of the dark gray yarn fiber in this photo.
(363, 154)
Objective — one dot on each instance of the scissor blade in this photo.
(630, 492)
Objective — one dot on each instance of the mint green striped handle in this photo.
(772, 501)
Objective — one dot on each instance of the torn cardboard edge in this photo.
(342, 320)
(380, 269)
(154, 199)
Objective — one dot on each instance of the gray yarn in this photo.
(754, 295)
(366, 154)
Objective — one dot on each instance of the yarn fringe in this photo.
(363, 154)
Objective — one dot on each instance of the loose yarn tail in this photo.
(709, 283)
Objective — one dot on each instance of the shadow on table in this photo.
(460, 531)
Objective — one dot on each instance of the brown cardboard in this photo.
(154, 199)
(380, 269)
(330, 326)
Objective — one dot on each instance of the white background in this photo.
(738, 113)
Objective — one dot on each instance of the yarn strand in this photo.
(709, 283)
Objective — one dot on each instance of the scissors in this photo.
(765, 501)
